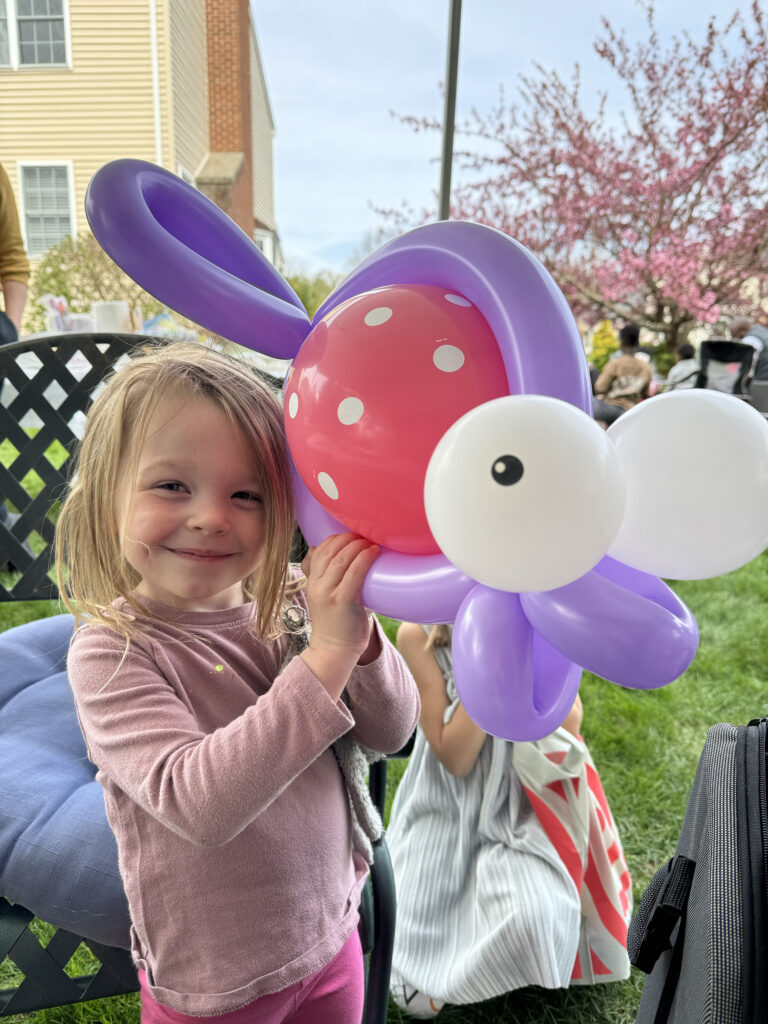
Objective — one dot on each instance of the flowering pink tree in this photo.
(659, 215)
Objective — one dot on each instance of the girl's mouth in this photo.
(200, 554)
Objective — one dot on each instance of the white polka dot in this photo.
(448, 358)
(378, 316)
(327, 484)
(350, 410)
(293, 405)
(457, 300)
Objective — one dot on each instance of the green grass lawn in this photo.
(646, 747)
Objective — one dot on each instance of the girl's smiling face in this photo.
(195, 523)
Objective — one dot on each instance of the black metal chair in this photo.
(46, 386)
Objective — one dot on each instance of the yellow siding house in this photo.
(83, 82)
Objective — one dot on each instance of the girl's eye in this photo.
(170, 485)
(247, 496)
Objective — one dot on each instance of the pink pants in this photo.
(332, 996)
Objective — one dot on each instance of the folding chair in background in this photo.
(726, 366)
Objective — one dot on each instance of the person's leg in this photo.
(336, 994)
(605, 412)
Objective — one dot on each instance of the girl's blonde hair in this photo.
(91, 569)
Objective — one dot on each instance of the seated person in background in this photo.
(685, 371)
(743, 328)
(625, 380)
(489, 897)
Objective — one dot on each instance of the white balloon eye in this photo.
(696, 470)
(524, 493)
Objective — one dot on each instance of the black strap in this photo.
(670, 908)
(673, 976)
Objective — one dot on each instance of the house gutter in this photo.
(155, 81)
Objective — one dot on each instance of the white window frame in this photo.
(13, 41)
(185, 175)
(265, 240)
(71, 193)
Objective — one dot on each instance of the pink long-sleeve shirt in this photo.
(232, 820)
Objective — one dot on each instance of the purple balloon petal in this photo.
(619, 623)
(511, 682)
(178, 245)
(424, 588)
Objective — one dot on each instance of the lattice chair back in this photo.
(46, 385)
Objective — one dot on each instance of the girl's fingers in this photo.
(339, 566)
(331, 563)
(321, 555)
(351, 583)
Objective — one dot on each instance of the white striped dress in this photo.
(485, 904)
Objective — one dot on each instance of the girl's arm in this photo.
(204, 786)
(457, 743)
(348, 650)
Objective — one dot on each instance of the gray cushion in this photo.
(57, 853)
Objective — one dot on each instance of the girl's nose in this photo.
(209, 515)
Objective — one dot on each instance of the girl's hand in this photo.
(341, 625)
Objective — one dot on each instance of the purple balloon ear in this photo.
(181, 248)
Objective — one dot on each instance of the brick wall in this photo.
(229, 83)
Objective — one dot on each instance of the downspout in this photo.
(155, 81)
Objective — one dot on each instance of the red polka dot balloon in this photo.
(373, 389)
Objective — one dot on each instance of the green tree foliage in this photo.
(80, 270)
(604, 342)
(313, 290)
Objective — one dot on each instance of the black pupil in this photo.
(507, 470)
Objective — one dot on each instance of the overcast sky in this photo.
(336, 69)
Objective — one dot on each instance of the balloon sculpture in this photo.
(439, 403)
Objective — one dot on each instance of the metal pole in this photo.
(451, 74)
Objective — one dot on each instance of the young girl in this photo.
(506, 859)
(219, 733)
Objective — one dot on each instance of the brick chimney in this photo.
(227, 174)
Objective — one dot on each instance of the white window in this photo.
(46, 205)
(33, 33)
(5, 49)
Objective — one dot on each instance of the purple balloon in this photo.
(426, 589)
(510, 680)
(179, 246)
(619, 623)
(516, 658)
(539, 343)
